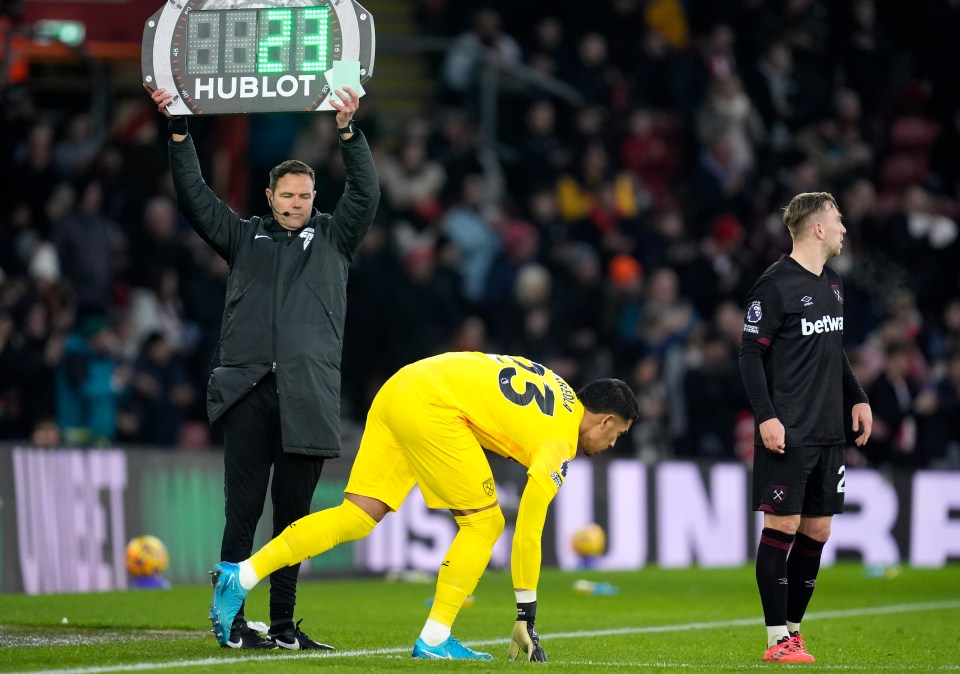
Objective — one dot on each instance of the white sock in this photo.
(775, 634)
(434, 633)
(525, 596)
(793, 627)
(248, 577)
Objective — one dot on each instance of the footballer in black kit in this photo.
(799, 382)
(793, 339)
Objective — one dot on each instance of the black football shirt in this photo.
(797, 319)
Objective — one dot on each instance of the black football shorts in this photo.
(803, 480)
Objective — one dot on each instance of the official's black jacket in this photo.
(286, 296)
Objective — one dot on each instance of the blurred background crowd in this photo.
(592, 185)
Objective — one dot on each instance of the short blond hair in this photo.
(803, 206)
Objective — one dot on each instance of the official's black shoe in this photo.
(244, 636)
(292, 639)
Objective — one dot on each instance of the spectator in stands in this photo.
(722, 270)
(926, 244)
(592, 73)
(426, 295)
(650, 154)
(159, 242)
(521, 246)
(484, 45)
(532, 323)
(943, 432)
(469, 224)
(33, 173)
(90, 383)
(29, 353)
(866, 56)
(721, 181)
(650, 434)
(158, 307)
(714, 397)
(75, 153)
(549, 52)
(581, 198)
(161, 391)
(897, 399)
(728, 111)
(542, 152)
(89, 246)
(412, 183)
(834, 143)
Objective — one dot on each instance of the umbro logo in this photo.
(806, 300)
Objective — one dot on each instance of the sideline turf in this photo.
(690, 620)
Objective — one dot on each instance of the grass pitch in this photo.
(690, 621)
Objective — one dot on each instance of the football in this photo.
(589, 541)
(146, 556)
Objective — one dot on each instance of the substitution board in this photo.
(230, 56)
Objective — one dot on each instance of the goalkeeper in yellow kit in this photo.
(428, 426)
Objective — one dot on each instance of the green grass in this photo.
(690, 620)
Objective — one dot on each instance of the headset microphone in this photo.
(285, 214)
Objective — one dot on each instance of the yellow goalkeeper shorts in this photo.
(408, 441)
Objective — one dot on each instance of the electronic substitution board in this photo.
(231, 56)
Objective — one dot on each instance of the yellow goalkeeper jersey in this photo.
(516, 408)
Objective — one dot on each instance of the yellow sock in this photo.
(311, 535)
(465, 561)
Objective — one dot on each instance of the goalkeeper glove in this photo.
(525, 638)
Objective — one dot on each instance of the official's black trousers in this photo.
(252, 443)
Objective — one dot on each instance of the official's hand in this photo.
(346, 107)
(773, 435)
(863, 422)
(162, 98)
(525, 640)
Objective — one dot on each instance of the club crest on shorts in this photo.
(778, 493)
(488, 487)
(754, 313)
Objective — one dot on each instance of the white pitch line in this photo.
(651, 629)
(743, 622)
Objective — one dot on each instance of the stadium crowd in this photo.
(613, 237)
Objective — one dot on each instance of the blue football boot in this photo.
(228, 596)
(451, 649)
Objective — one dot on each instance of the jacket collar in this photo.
(271, 225)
